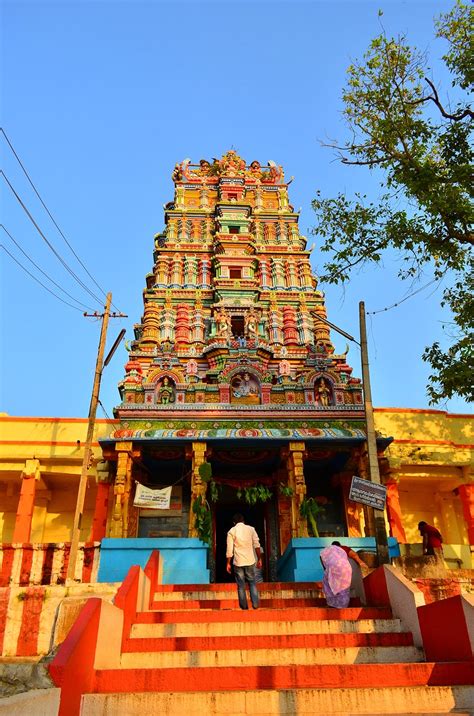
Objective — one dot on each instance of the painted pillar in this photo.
(394, 512)
(204, 273)
(182, 332)
(26, 503)
(369, 521)
(263, 273)
(122, 488)
(466, 494)
(151, 325)
(352, 509)
(290, 331)
(99, 520)
(295, 455)
(292, 277)
(203, 197)
(198, 487)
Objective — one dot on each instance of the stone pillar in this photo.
(294, 463)
(466, 495)
(122, 488)
(394, 512)
(198, 487)
(24, 514)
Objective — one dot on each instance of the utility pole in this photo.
(374, 474)
(76, 529)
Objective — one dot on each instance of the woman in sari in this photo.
(337, 577)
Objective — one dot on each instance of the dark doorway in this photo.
(238, 326)
(224, 511)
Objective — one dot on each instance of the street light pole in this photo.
(374, 474)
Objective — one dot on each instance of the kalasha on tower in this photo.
(232, 368)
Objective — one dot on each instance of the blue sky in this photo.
(101, 99)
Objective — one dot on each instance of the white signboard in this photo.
(368, 493)
(152, 499)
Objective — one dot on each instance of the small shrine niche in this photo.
(245, 388)
(166, 391)
(323, 393)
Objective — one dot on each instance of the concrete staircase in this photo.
(191, 650)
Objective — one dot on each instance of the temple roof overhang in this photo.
(335, 432)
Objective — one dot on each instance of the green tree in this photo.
(420, 146)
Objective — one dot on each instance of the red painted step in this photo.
(284, 641)
(231, 587)
(263, 615)
(234, 603)
(282, 677)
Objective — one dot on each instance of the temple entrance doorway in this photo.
(224, 510)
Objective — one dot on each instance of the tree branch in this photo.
(456, 117)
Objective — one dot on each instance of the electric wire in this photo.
(49, 213)
(37, 279)
(104, 410)
(58, 256)
(402, 300)
(41, 270)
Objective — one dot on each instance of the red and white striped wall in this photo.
(25, 564)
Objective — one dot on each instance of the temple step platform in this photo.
(171, 649)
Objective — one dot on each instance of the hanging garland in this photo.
(252, 495)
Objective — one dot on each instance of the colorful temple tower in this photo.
(232, 365)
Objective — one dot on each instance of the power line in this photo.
(402, 300)
(37, 280)
(41, 270)
(48, 211)
(46, 240)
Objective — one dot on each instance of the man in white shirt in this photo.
(242, 545)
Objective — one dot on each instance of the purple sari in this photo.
(337, 577)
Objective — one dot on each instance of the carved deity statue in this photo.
(223, 323)
(255, 171)
(284, 368)
(251, 324)
(244, 386)
(166, 392)
(323, 393)
(231, 164)
(191, 370)
(204, 168)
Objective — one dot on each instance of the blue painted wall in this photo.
(184, 559)
(301, 563)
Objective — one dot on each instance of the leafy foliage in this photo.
(310, 509)
(203, 520)
(399, 126)
(214, 490)
(205, 471)
(285, 490)
(252, 495)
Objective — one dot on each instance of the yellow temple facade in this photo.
(428, 466)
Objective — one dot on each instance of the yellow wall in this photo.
(54, 442)
(430, 456)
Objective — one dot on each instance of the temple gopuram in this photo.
(233, 365)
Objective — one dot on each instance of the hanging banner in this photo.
(152, 499)
(368, 493)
